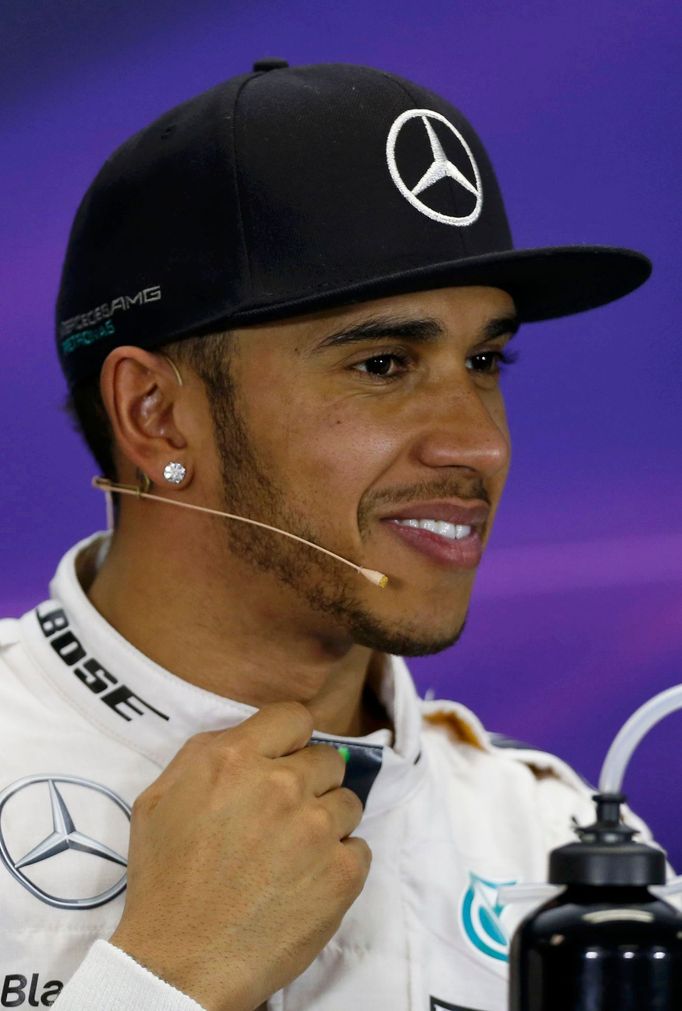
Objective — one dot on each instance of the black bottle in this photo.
(606, 943)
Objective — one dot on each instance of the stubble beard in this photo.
(324, 584)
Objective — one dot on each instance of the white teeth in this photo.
(453, 531)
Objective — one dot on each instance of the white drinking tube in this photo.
(610, 781)
(632, 732)
(625, 742)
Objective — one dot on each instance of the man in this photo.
(286, 302)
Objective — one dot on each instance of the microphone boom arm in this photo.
(105, 485)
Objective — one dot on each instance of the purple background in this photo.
(577, 613)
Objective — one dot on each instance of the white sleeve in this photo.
(110, 980)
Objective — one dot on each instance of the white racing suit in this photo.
(87, 722)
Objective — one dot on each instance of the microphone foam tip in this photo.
(378, 578)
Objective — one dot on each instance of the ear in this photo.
(144, 401)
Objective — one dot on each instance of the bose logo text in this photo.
(91, 672)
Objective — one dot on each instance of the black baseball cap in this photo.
(292, 189)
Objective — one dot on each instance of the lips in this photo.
(460, 552)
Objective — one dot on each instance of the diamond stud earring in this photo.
(174, 472)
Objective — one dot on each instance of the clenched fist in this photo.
(240, 865)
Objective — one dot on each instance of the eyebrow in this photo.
(423, 330)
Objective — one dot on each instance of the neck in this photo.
(245, 637)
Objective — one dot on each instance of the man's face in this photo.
(351, 428)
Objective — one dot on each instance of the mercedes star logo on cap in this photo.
(440, 168)
(64, 836)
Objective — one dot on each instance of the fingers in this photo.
(279, 728)
(321, 766)
(341, 810)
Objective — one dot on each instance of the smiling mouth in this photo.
(447, 533)
(448, 545)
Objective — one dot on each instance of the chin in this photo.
(405, 639)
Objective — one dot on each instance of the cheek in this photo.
(332, 455)
(345, 454)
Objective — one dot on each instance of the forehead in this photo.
(461, 311)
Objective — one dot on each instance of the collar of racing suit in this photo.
(134, 700)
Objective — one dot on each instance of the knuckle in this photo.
(353, 866)
(296, 713)
(228, 752)
(205, 737)
(195, 742)
(286, 785)
(352, 802)
(225, 762)
(320, 824)
(365, 852)
(227, 755)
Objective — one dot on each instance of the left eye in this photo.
(380, 365)
(490, 362)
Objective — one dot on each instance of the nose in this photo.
(465, 428)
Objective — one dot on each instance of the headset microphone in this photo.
(374, 577)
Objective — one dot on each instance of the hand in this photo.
(240, 866)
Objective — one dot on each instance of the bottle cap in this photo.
(606, 853)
